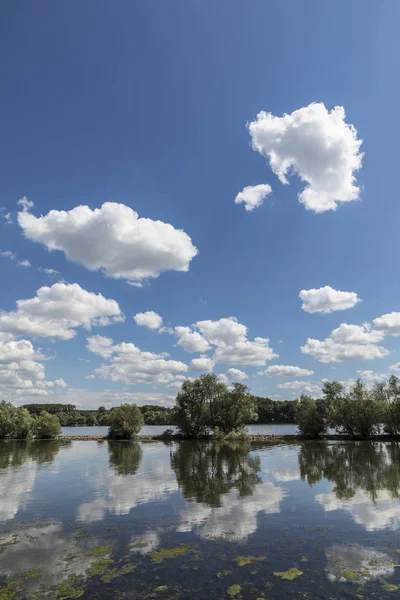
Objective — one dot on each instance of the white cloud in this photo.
(388, 324)
(23, 263)
(49, 272)
(149, 319)
(253, 196)
(286, 371)
(305, 386)
(127, 364)
(255, 353)
(395, 367)
(58, 310)
(204, 363)
(326, 300)
(191, 341)
(223, 332)
(371, 376)
(232, 375)
(113, 239)
(25, 204)
(8, 219)
(345, 343)
(8, 254)
(318, 146)
(61, 383)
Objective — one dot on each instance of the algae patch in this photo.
(390, 587)
(289, 574)
(234, 590)
(159, 555)
(242, 561)
(222, 574)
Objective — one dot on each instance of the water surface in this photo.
(199, 520)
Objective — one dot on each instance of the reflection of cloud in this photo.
(384, 511)
(357, 563)
(284, 475)
(236, 518)
(42, 547)
(16, 485)
(145, 543)
(119, 494)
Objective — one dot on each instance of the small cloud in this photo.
(25, 203)
(23, 263)
(202, 301)
(8, 254)
(8, 219)
(49, 272)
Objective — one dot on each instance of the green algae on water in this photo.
(161, 588)
(390, 587)
(99, 566)
(234, 590)
(112, 574)
(289, 574)
(242, 561)
(159, 555)
(354, 575)
(100, 550)
(222, 574)
(304, 559)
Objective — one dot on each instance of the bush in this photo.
(47, 426)
(310, 417)
(359, 413)
(125, 422)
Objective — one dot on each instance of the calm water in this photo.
(157, 429)
(120, 520)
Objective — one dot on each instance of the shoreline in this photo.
(273, 437)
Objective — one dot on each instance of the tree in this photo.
(196, 405)
(47, 426)
(102, 416)
(391, 393)
(311, 417)
(15, 422)
(125, 421)
(234, 409)
(359, 413)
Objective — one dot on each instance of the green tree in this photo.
(196, 405)
(234, 409)
(102, 416)
(125, 421)
(391, 393)
(15, 422)
(359, 413)
(311, 416)
(47, 426)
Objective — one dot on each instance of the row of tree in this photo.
(360, 412)
(265, 411)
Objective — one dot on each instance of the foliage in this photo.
(206, 404)
(53, 409)
(310, 416)
(125, 422)
(47, 426)
(15, 423)
(274, 411)
(360, 412)
(390, 393)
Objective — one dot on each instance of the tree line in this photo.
(360, 412)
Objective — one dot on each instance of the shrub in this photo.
(47, 426)
(125, 422)
(360, 413)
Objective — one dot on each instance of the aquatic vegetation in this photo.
(390, 587)
(289, 574)
(112, 574)
(222, 574)
(100, 550)
(304, 559)
(161, 588)
(159, 555)
(234, 590)
(242, 561)
(10, 590)
(99, 566)
(354, 575)
(357, 564)
(67, 589)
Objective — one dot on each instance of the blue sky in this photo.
(147, 105)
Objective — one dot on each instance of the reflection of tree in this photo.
(352, 466)
(15, 454)
(207, 471)
(125, 457)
